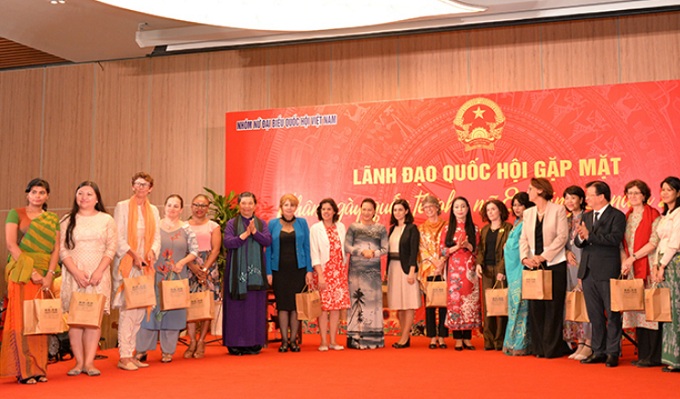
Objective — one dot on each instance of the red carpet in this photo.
(415, 372)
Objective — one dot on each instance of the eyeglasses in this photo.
(629, 193)
(141, 184)
(201, 206)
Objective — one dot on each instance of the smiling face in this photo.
(199, 207)
(173, 208)
(327, 212)
(572, 202)
(86, 198)
(367, 212)
(37, 196)
(247, 207)
(669, 195)
(399, 213)
(288, 210)
(141, 188)
(430, 210)
(460, 209)
(635, 197)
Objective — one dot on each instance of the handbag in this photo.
(138, 292)
(658, 304)
(308, 304)
(496, 300)
(384, 293)
(575, 307)
(216, 324)
(175, 293)
(537, 284)
(627, 294)
(435, 294)
(201, 307)
(86, 310)
(42, 316)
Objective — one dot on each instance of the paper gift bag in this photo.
(202, 306)
(575, 307)
(308, 305)
(175, 293)
(216, 324)
(627, 294)
(658, 304)
(537, 284)
(435, 294)
(43, 316)
(86, 310)
(139, 292)
(496, 301)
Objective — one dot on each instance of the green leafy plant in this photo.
(222, 209)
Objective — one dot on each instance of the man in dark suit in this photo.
(600, 235)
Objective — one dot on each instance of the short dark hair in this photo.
(578, 192)
(642, 186)
(501, 208)
(409, 215)
(247, 194)
(333, 205)
(144, 176)
(674, 183)
(523, 199)
(370, 201)
(601, 188)
(543, 184)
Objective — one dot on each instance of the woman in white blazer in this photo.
(542, 245)
(327, 240)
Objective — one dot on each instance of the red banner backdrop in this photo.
(475, 146)
(479, 146)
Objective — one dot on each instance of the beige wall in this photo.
(165, 115)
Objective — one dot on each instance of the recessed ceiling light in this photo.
(295, 15)
(57, 2)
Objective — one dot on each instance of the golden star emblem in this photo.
(479, 113)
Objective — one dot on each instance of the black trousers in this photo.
(546, 318)
(432, 327)
(606, 324)
(462, 334)
(649, 344)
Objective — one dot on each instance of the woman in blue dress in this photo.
(517, 339)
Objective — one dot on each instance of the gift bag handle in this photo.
(496, 283)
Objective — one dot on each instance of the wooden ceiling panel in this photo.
(16, 55)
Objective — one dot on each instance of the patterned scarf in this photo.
(247, 263)
(642, 234)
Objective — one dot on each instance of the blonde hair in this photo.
(289, 197)
(431, 199)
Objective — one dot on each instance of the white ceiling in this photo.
(85, 30)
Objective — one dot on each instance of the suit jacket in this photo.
(409, 245)
(502, 237)
(601, 256)
(555, 234)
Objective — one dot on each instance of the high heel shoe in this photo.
(585, 353)
(578, 350)
(468, 347)
(397, 345)
(284, 347)
(294, 347)
(189, 353)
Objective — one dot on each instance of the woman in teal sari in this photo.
(32, 237)
(517, 337)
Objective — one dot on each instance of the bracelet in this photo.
(634, 257)
(53, 272)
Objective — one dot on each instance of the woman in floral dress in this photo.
(327, 239)
(459, 243)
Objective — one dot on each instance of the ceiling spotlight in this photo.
(57, 2)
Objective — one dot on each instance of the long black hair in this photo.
(38, 182)
(674, 183)
(70, 244)
(469, 225)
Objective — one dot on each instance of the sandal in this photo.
(189, 353)
(28, 381)
(200, 350)
(585, 352)
(166, 357)
(42, 378)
